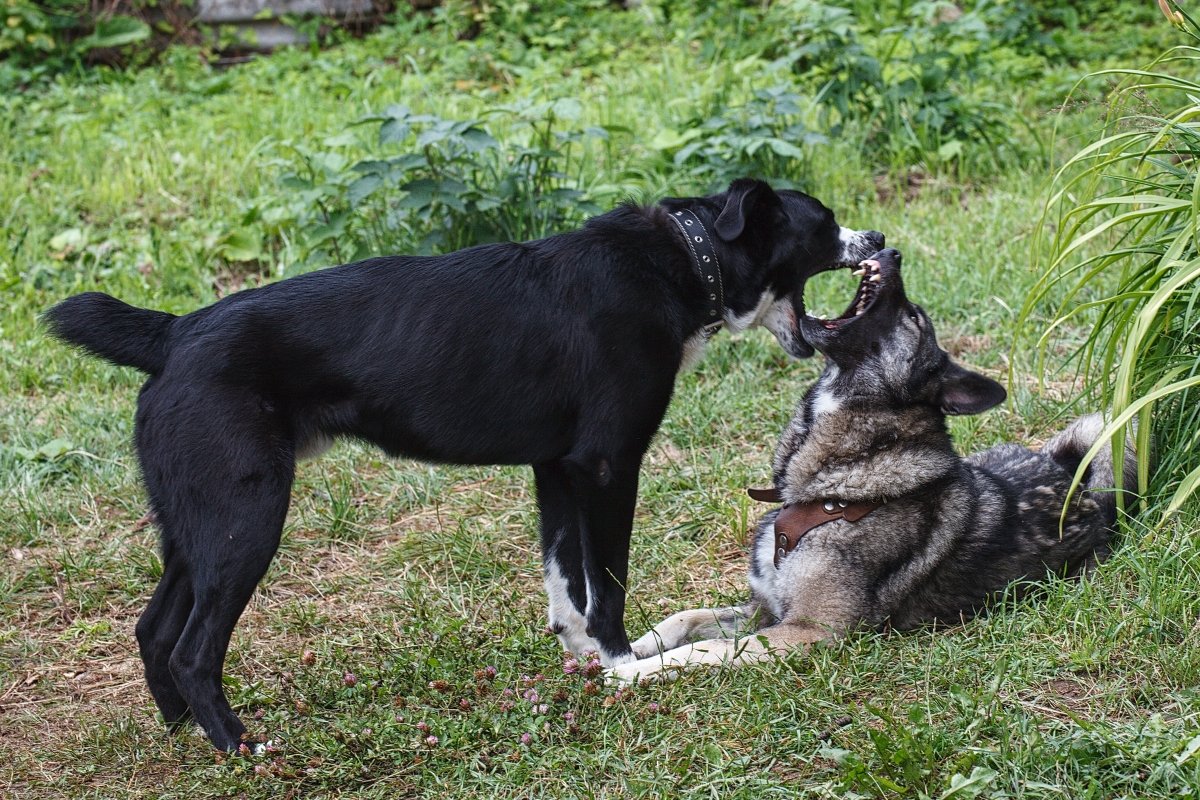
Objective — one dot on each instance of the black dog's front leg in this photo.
(562, 558)
(606, 498)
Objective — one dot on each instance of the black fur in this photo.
(123, 334)
(560, 353)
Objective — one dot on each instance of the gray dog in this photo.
(882, 523)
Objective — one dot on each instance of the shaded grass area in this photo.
(399, 584)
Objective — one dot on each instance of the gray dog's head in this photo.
(885, 354)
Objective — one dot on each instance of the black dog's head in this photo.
(769, 244)
(883, 350)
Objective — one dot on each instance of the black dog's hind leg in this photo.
(218, 468)
(562, 558)
(241, 537)
(158, 630)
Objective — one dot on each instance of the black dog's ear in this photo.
(967, 392)
(746, 196)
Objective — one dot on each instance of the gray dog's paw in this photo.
(650, 670)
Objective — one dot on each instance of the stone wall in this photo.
(259, 24)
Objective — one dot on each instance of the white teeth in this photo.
(876, 278)
(860, 311)
(859, 272)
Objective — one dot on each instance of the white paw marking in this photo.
(565, 619)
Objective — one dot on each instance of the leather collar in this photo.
(704, 260)
(797, 519)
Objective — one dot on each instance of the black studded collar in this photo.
(704, 259)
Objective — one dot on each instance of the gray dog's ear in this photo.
(745, 196)
(967, 392)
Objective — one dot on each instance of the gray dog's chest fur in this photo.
(952, 534)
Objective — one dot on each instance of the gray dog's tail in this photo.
(1099, 481)
(104, 326)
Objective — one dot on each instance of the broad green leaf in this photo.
(116, 31)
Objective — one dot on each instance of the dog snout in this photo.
(889, 257)
(857, 245)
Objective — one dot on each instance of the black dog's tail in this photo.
(1099, 480)
(103, 325)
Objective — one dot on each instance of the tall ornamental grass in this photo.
(1123, 259)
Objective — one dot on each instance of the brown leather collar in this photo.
(797, 519)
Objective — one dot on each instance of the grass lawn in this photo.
(365, 654)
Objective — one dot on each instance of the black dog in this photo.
(560, 353)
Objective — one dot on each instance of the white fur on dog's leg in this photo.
(632, 674)
(565, 619)
(612, 662)
(668, 634)
(649, 644)
(668, 666)
(768, 643)
(701, 623)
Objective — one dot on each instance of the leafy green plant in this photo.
(47, 35)
(434, 184)
(765, 137)
(31, 30)
(1070, 30)
(912, 93)
(909, 756)
(1125, 263)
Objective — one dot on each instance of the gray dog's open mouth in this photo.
(864, 298)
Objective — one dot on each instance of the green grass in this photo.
(413, 578)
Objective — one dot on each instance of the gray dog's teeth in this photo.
(876, 278)
(859, 272)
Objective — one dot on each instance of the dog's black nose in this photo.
(889, 257)
(875, 239)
